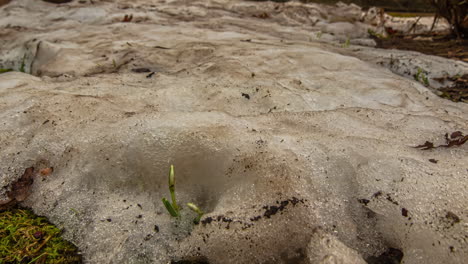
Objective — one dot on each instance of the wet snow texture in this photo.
(296, 153)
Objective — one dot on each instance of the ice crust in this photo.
(299, 151)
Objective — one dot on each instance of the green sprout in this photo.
(173, 208)
(319, 34)
(197, 210)
(374, 34)
(347, 43)
(74, 211)
(23, 64)
(421, 77)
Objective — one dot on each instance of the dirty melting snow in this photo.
(297, 153)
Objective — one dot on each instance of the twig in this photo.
(436, 18)
(414, 26)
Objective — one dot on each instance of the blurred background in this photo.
(390, 5)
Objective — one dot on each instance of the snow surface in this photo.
(299, 150)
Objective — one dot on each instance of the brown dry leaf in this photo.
(263, 15)
(127, 18)
(427, 145)
(4, 2)
(440, 79)
(456, 134)
(456, 139)
(46, 171)
(19, 190)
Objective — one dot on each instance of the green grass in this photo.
(22, 68)
(28, 238)
(5, 70)
(23, 64)
(421, 76)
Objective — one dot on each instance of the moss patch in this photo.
(28, 238)
(409, 14)
(5, 70)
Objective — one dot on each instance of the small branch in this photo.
(413, 27)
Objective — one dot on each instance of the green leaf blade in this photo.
(169, 208)
(197, 210)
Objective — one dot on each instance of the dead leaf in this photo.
(441, 79)
(456, 139)
(425, 146)
(139, 70)
(127, 18)
(456, 134)
(263, 15)
(455, 142)
(19, 190)
(46, 171)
